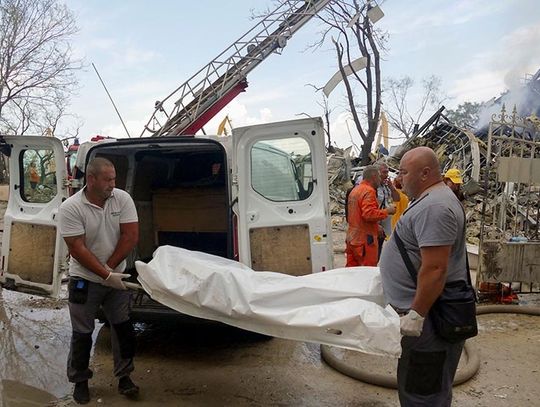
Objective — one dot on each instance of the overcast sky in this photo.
(146, 49)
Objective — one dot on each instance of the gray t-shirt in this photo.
(100, 227)
(437, 219)
(384, 198)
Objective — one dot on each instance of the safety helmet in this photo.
(454, 175)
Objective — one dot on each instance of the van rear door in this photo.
(33, 252)
(282, 202)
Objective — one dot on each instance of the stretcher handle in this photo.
(133, 286)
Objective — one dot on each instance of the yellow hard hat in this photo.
(454, 175)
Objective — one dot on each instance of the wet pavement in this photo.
(34, 336)
(16, 394)
(176, 364)
(215, 365)
(34, 343)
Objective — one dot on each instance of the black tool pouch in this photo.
(77, 290)
(454, 314)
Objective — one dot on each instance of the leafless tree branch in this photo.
(398, 100)
(352, 39)
(37, 67)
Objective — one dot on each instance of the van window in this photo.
(38, 176)
(72, 159)
(281, 169)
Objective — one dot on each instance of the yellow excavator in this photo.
(222, 128)
(382, 135)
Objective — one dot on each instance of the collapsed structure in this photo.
(500, 162)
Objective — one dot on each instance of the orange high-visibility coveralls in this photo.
(34, 176)
(364, 215)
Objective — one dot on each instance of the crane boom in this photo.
(190, 106)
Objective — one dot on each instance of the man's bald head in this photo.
(419, 169)
(96, 165)
(424, 157)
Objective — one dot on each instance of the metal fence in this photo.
(509, 238)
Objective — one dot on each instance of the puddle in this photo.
(34, 343)
(16, 394)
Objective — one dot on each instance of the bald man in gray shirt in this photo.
(432, 230)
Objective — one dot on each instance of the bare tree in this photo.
(397, 100)
(47, 121)
(356, 37)
(37, 67)
(327, 111)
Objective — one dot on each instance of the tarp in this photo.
(341, 307)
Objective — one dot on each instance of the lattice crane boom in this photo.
(189, 107)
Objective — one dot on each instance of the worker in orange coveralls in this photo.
(364, 215)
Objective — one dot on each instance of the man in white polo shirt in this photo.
(100, 227)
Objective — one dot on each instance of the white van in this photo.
(259, 196)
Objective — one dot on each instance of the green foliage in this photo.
(466, 114)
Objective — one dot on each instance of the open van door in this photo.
(281, 200)
(33, 252)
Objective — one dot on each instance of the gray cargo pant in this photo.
(426, 369)
(84, 304)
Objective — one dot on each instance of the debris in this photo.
(475, 393)
(339, 181)
(460, 148)
(500, 164)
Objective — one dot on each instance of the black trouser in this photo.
(85, 298)
(426, 369)
(381, 240)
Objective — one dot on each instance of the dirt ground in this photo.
(195, 365)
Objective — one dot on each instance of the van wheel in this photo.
(255, 336)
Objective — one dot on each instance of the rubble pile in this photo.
(456, 147)
(453, 148)
(500, 164)
(459, 148)
(339, 181)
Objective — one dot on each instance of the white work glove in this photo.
(114, 280)
(411, 324)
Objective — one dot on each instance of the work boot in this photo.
(127, 388)
(81, 394)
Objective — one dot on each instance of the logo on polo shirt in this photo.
(117, 213)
